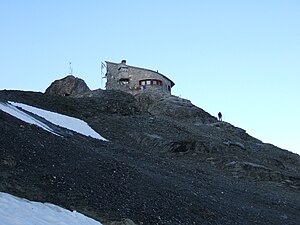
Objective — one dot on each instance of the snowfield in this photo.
(67, 122)
(14, 111)
(19, 211)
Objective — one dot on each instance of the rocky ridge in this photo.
(166, 162)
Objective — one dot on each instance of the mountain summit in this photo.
(160, 160)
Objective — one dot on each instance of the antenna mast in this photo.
(70, 68)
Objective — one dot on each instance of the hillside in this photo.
(166, 161)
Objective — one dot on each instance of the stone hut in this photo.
(134, 80)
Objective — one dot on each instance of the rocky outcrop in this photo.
(253, 171)
(172, 107)
(68, 86)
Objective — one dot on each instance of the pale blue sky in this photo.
(237, 57)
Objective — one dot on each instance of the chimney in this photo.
(123, 61)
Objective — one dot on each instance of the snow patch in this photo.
(14, 111)
(64, 121)
(16, 210)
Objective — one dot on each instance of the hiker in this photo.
(220, 116)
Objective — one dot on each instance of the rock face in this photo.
(68, 86)
(167, 162)
(172, 107)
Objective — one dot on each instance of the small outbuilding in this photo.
(134, 80)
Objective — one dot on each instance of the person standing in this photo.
(220, 116)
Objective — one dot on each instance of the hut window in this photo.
(124, 81)
(150, 82)
(123, 69)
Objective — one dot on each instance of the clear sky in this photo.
(237, 57)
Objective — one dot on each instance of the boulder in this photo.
(68, 86)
